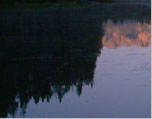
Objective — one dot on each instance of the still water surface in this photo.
(76, 65)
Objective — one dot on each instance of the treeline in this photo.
(42, 1)
(29, 1)
(105, 1)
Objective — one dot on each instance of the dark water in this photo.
(75, 62)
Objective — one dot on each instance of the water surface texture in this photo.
(75, 62)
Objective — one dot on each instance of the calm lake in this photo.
(90, 61)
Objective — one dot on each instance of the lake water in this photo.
(76, 62)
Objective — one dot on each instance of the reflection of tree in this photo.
(48, 63)
(48, 54)
(121, 12)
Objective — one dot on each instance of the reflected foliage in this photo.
(48, 53)
(39, 63)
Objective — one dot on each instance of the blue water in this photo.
(92, 62)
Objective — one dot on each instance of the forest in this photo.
(52, 1)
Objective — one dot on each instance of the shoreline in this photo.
(67, 4)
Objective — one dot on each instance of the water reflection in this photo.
(48, 56)
(126, 34)
(38, 66)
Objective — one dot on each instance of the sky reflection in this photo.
(121, 80)
(126, 34)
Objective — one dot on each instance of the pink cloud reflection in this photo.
(126, 34)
